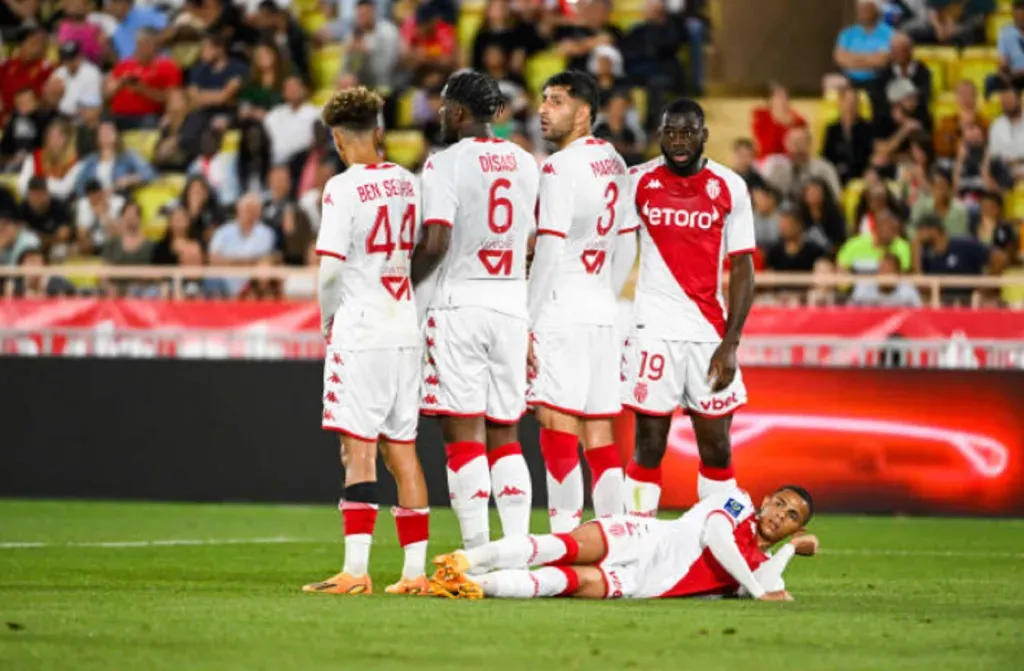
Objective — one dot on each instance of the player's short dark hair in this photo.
(579, 85)
(354, 109)
(802, 493)
(684, 106)
(931, 220)
(475, 91)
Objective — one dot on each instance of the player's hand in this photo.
(779, 595)
(531, 361)
(723, 367)
(805, 545)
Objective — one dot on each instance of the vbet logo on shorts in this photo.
(658, 216)
(720, 404)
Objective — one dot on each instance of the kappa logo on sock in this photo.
(510, 490)
(481, 494)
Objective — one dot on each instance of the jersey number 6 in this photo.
(498, 261)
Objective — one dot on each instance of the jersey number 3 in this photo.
(499, 220)
(593, 259)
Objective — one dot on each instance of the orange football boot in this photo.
(450, 575)
(415, 587)
(343, 583)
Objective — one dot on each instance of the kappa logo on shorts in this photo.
(432, 381)
(431, 323)
(733, 507)
(614, 585)
(640, 392)
(328, 415)
(430, 343)
(618, 530)
(331, 397)
(430, 399)
(334, 379)
(337, 359)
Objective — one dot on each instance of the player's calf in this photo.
(510, 478)
(715, 449)
(643, 472)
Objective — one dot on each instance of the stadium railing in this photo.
(176, 276)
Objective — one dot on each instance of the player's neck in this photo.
(476, 130)
(573, 136)
(688, 170)
(368, 158)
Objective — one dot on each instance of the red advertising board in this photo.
(915, 441)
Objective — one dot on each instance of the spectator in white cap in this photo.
(90, 110)
(863, 48)
(909, 115)
(81, 78)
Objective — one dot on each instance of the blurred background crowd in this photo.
(186, 133)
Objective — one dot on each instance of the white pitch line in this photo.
(880, 552)
(170, 542)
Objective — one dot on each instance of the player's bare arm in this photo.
(429, 252)
(741, 297)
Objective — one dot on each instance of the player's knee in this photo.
(402, 463)
(649, 450)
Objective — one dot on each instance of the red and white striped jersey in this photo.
(687, 226)
(370, 216)
(676, 562)
(584, 198)
(485, 189)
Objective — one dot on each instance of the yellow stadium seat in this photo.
(944, 106)
(994, 25)
(321, 96)
(10, 180)
(1004, 5)
(976, 70)
(627, 18)
(979, 53)
(232, 139)
(151, 198)
(313, 22)
(992, 107)
(82, 282)
(639, 98)
(143, 142)
(403, 113)
(1016, 203)
(542, 67)
(404, 147)
(173, 181)
(939, 61)
(326, 64)
(851, 198)
(470, 21)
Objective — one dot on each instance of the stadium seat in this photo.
(939, 60)
(232, 139)
(403, 113)
(1015, 202)
(944, 105)
(470, 20)
(639, 98)
(404, 147)
(10, 180)
(151, 199)
(312, 22)
(851, 198)
(326, 64)
(321, 96)
(143, 142)
(627, 18)
(174, 181)
(83, 282)
(541, 67)
(975, 67)
(994, 25)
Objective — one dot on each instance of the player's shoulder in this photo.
(734, 502)
(338, 185)
(732, 179)
(639, 171)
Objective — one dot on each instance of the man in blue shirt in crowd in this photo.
(864, 48)
(940, 254)
(1011, 54)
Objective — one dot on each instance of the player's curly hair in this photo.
(477, 92)
(683, 106)
(354, 109)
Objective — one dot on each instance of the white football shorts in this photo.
(577, 371)
(662, 375)
(630, 542)
(372, 394)
(474, 364)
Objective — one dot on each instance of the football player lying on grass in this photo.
(719, 547)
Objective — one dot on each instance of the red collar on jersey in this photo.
(379, 166)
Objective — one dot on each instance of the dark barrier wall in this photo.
(182, 430)
(916, 441)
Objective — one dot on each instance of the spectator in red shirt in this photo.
(427, 40)
(773, 120)
(27, 69)
(138, 87)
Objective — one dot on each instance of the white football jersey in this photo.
(687, 227)
(485, 189)
(370, 216)
(584, 198)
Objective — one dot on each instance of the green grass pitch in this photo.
(885, 594)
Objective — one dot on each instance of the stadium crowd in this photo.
(186, 132)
